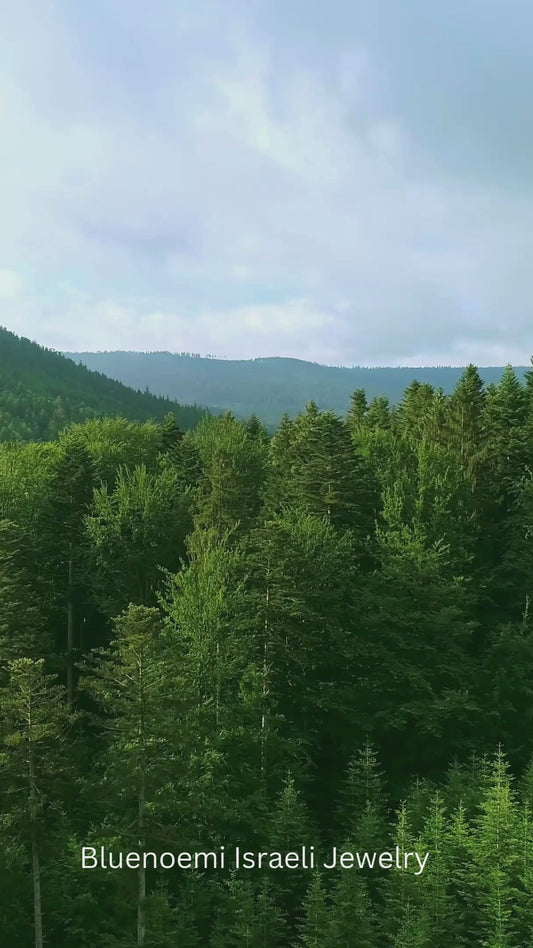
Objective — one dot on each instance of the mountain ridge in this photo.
(42, 391)
(268, 386)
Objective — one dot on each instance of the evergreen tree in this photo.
(21, 621)
(203, 608)
(171, 435)
(68, 502)
(404, 921)
(379, 415)
(129, 685)
(362, 799)
(465, 418)
(413, 610)
(524, 895)
(495, 856)
(355, 418)
(291, 828)
(328, 477)
(315, 927)
(415, 411)
(443, 924)
(300, 604)
(233, 466)
(34, 722)
(353, 919)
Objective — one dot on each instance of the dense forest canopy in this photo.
(321, 638)
(266, 387)
(41, 391)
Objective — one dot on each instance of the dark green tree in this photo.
(34, 722)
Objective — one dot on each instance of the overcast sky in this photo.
(344, 181)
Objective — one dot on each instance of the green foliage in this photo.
(232, 460)
(134, 531)
(269, 387)
(41, 392)
(22, 631)
(315, 928)
(310, 640)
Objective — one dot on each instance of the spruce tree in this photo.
(352, 917)
(233, 471)
(379, 416)
(203, 610)
(404, 921)
(495, 855)
(355, 418)
(301, 574)
(362, 808)
(315, 926)
(129, 684)
(22, 631)
(415, 411)
(34, 722)
(291, 828)
(465, 418)
(67, 504)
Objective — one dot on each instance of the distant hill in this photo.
(41, 391)
(267, 387)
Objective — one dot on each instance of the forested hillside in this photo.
(41, 391)
(319, 639)
(266, 387)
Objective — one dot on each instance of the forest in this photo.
(41, 391)
(267, 387)
(321, 638)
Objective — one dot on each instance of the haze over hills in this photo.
(269, 386)
(41, 391)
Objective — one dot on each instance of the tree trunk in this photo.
(35, 860)
(36, 869)
(70, 628)
(265, 685)
(217, 686)
(141, 875)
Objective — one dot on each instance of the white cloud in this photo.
(253, 183)
(10, 284)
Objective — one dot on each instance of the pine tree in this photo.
(355, 418)
(412, 610)
(328, 477)
(415, 411)
(233, 470)
(524, 895)
(256, 429)
(405, 923)
(203, 607)
(461, 883)
(300, 602)
(34, 721)
(362, 799)
(315, 927)
(353, 920)
(129, 684)
(465, 418)
(69, 497)
(379, 415)
(495, 856)
(22, 631)
(444, 927)
(171, 435)
(279, 471)
(291, 828)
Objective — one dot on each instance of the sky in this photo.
(349, 181)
